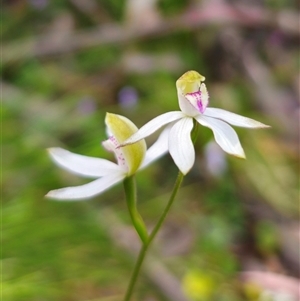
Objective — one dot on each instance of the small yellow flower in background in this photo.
(198, 286)
(252, 291)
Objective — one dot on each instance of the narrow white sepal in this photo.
(181, 147)
(82, 165)
(78, 193)
(153, 125)
(224, 134)
(234, 119)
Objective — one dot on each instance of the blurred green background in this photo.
(65, 64)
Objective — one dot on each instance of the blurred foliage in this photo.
(59, 251)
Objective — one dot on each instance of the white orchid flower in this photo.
(193, 100)
(130, 159)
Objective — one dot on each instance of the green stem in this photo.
(130, 192)
(146, 245)
(136, 271)
(164, 214)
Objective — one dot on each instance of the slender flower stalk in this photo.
(137, 220)
(193, 101)
(152, 235)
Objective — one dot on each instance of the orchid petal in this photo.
(82, 165)
(234, 119)
(224, 134)
(158, 148)
(181, 146)
(153, 125)
(86, 191)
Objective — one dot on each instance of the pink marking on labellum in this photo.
(112, 144)
(195, 99)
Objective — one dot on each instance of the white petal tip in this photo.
(52, 196)
(127, 142)
(53, 150)
(258, 125)
(265, 126)
(55, 195)
(185, 172)
(240, 154)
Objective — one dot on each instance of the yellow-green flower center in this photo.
(189, 82)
